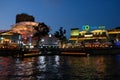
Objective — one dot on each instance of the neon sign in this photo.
(101, 27)
(88, 28)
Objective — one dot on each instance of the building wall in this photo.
(95, 36)
(90, 35)
(49, 40)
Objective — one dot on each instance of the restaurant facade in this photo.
(96, 36)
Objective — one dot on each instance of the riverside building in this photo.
(10, 40)
(93, 36)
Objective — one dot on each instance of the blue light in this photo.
(117, 43)
(94, 27)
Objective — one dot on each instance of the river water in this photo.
(102, 67)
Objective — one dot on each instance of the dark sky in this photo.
(62, 13)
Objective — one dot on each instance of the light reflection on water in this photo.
(60, 68)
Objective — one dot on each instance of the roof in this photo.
(8, 33)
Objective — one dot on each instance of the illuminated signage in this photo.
(89, 35)
(101, 27)
(75, 32)
(88, 28)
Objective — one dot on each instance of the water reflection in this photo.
(60, 68)
(48, 67)
(5, 67)
(24, 68)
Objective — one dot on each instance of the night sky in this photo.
(62, 13)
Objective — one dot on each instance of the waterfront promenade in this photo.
(60, 51)
(74, 52)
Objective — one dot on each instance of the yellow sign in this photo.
(75, 32)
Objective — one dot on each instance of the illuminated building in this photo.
(114, 35)
(10, 39)
(30, 31)
(90, 35)
(49, 41)
(86, 34)
(26, 29)
(74, 34)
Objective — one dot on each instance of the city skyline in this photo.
(63, 13)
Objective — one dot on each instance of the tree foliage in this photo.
(60, 34)
(41, 30)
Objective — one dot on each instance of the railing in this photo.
(100, 45)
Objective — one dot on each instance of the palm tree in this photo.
(61, 35)
(41, 30)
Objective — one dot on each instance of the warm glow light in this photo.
(25, 28)
(75, 32)
(90, 35)
(2, 38)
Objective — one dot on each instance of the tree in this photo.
(41, 30)
(61, 35)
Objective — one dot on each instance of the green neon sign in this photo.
(86, 27)
(101, 27)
